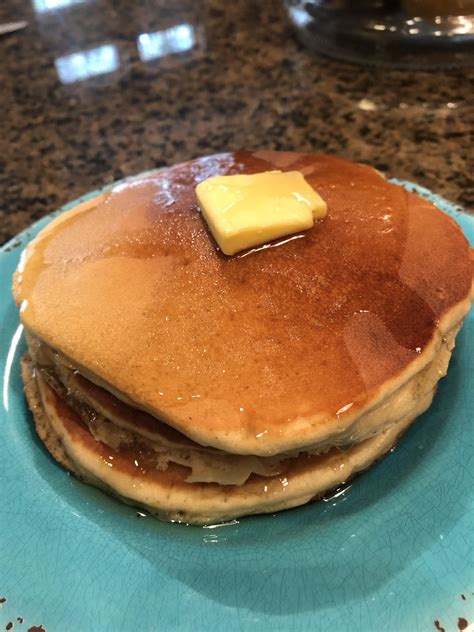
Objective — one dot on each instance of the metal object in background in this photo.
(406, 33)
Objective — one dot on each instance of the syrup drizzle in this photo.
(245, 344)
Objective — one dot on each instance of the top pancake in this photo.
(265, 351)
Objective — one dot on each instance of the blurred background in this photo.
(95, 90)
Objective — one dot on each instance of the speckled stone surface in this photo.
(171, 81)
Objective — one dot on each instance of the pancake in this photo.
(234, 373)
(132, 476)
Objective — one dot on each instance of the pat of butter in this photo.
(248, 210)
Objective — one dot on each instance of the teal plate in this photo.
(391, 552)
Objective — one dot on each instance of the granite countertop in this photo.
(94, 90)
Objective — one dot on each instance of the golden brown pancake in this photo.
(320, 341)
(131, 474)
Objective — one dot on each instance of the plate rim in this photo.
(26, 234)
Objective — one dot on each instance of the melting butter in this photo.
(243, 211)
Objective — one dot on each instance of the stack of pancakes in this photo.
(203, 387)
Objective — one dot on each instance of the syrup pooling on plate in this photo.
(248, 342)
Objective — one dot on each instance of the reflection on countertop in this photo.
(93, 90)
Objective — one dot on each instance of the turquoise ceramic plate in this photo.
(391, 552)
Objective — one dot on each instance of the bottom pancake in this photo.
(166, 494)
